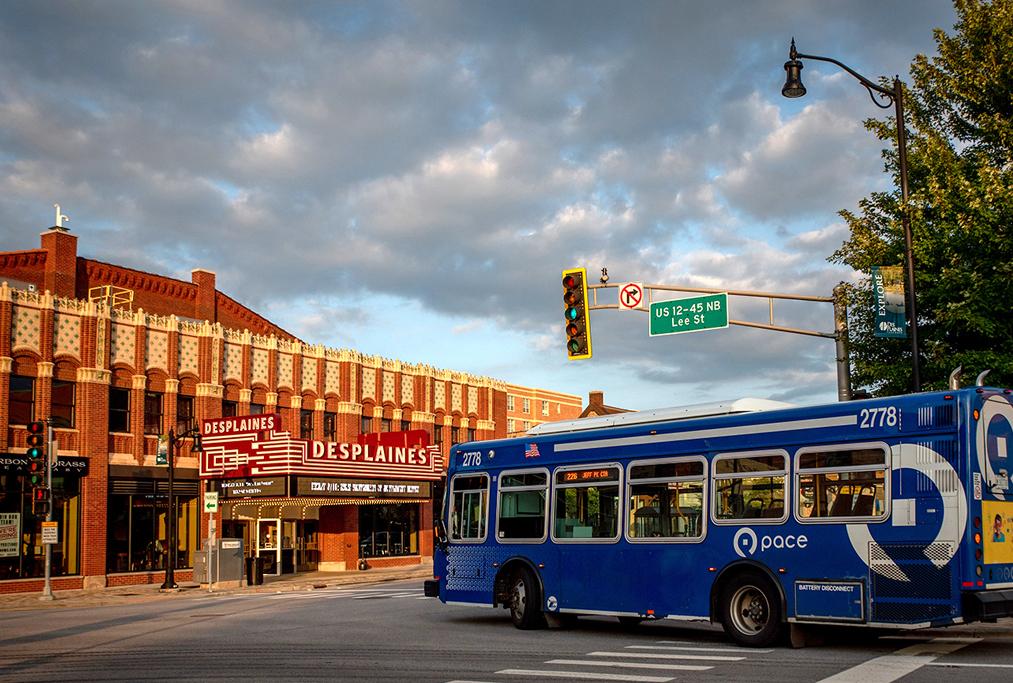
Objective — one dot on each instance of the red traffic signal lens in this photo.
(569, 280)
(37, 427)
(40, 494)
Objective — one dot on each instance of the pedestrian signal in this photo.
(575, 314)
(40, 501)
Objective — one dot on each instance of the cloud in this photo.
(450, 159)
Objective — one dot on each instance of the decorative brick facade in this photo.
(184, 339)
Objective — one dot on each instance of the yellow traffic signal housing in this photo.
(576, 314)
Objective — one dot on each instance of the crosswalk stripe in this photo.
(631, 665)
(696, 649)
(901, 663)
(658, 655)
(585, 675)
(972, 665)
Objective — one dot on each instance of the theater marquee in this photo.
(255, 446)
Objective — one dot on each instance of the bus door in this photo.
(586, 528)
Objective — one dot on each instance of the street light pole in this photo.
(170, 456)
(793, 88)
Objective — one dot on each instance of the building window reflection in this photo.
(388, 530)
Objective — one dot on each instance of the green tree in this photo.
(959, 111)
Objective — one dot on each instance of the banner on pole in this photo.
(888, 289)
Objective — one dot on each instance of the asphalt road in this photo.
(390, 632)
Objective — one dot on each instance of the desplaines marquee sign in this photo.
(256, 446)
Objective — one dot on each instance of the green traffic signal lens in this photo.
(34, 453)
(573, 346)
(570, 313)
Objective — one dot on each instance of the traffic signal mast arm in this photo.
(840, 333)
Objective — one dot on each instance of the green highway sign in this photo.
(707, 312)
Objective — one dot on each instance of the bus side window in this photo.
(586, 503)
(522, 506)
(750, 486)
(666, 499)
(843, 482)
(469, 507)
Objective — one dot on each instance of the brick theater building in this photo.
(321, 457)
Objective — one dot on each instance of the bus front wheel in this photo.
(751, 610)
(525, 603)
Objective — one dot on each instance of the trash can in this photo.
(254, 571)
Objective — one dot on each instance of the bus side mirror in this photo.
(440, 534)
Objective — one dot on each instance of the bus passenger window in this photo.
(587, 503)
(522, 498)
(666, 499)
(469, 507)
(842, 483)
(750, 486)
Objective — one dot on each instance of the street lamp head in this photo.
(793, 69)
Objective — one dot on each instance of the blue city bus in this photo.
(889, 512)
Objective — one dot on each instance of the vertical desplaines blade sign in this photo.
(888, 290)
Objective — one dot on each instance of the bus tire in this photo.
(751, 610)
(525, 601)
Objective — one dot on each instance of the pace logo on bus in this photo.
(746, 543)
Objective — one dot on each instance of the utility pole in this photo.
(51, 446)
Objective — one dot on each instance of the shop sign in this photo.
(10, 533)
(252, 488)
(364, 488)
(254, 445)
(64, 465)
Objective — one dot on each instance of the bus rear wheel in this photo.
(751, 610)
(525, 601)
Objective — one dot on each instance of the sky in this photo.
(409, 179)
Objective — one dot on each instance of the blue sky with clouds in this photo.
(410, 178)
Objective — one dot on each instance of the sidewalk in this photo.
(121, 595)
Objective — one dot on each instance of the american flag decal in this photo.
(531, 451)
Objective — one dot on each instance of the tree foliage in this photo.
(959, 118)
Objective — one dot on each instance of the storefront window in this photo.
(138, 532)
(388, 530)
(22, 553)
(22, 403)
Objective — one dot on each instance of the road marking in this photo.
(972, 664)
(696, 649)
(632, 665)
(586, 675)
(652, 655)
(901, 663)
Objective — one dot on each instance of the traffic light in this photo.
(40, 501)
(575, 314)
(37, 453)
